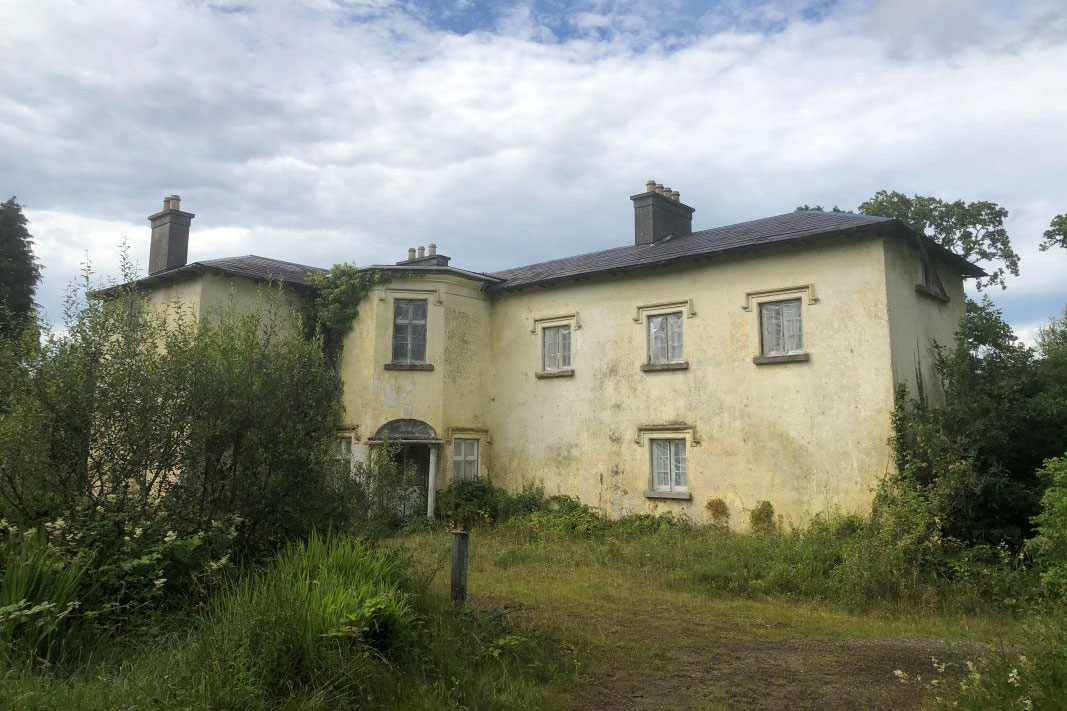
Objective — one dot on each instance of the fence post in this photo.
(459, 567)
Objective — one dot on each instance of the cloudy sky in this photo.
(323, 131)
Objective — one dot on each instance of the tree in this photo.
(1056, 234)
(973, 230)
(19, 271)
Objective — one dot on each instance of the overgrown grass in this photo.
(330, 624)
(853, 562)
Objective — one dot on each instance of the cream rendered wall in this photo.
(453, 397)
(184, 295)
(200, 296)
(918, 321)
(804, 436)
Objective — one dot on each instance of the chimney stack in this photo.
(170, 236)
(422, 251)
(658, 213)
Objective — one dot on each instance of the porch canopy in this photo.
(406, 432)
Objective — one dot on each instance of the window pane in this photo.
(661, 464)
(674, 337)
(551, 336)
(457, 449)
(771, 322)
(791, 327)
(418, 311)
(401, 311)
(472, 449)
(400, 343)
(679, 464)
(565, 347)
(657, 339)
(418, 343)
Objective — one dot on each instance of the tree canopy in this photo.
(19, 271)
(1056, 234)
(973, 230)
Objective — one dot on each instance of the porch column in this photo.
(431, 485)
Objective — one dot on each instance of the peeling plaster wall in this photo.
(804, 436)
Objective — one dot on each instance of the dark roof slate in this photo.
(769, 231)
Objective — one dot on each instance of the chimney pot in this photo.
(422, 251)
(411, 252)
(676, 196)
(170, 236)
(433, 249)
(650, 186)
(659, 188)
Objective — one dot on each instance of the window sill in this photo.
(409, 366)
(788, 358)
(926, 291)
(676, 495)
(566, 373)
(657, 367)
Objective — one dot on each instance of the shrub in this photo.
(719, 512)
(1049, 546)
(761, 518)
(147, 446)
(474, 502)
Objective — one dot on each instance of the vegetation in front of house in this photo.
(328, 624)
(151, 469)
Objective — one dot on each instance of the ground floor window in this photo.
(464, 459)
(343, 449)
(670, 471)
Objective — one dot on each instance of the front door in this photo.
(413, 464)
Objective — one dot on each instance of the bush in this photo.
(150, 449)
(1049, 546)
(761, 518)
(477, 502)
(719, 512)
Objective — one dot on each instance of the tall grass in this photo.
(38, 596)
(331, 624)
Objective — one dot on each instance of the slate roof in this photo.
(790, 228)
(249, 266)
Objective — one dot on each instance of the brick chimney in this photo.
(170, 236)
(658, 213)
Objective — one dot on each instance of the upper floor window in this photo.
(665, 338)
(465, 459)
(409, 331)
(670, 469)
(781, 330)
(556, 347)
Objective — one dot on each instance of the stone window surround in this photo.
(683, 306)
(484, 442)
(753, 299)
(685, 431)
(537, 327)
(431, 296)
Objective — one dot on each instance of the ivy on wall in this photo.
(334, 307)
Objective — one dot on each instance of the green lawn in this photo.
(648, 636)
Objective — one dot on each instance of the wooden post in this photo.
(459, 567)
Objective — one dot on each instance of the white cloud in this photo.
(329, 131)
